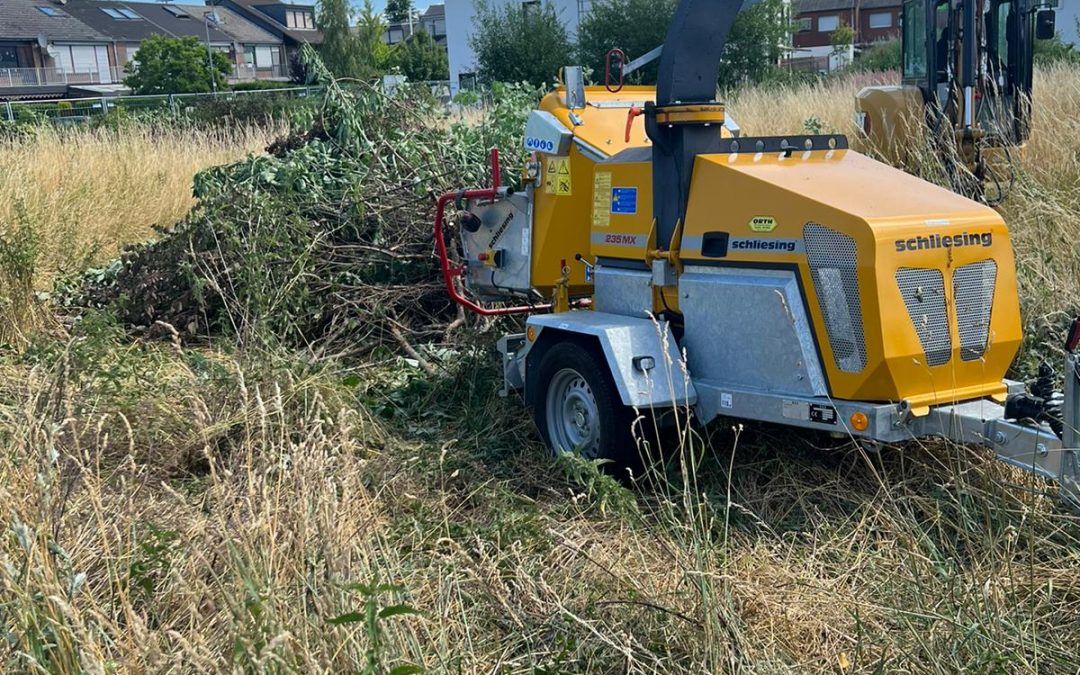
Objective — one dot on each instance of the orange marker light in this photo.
(859, 421)
(530, 334)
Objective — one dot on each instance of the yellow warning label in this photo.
(557, 177)
(763, 223)
(601, 207)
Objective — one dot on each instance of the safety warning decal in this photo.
(624, 200)
(557, 177)
(601, 208)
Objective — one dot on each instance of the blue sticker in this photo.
(623, 200)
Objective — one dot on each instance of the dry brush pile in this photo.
(325, 242)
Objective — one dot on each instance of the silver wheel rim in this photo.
(573, 418)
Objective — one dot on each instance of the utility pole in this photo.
(207, 18)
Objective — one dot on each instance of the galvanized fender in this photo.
(641, 354)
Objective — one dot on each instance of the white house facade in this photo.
(460, 27)
(1068, 13)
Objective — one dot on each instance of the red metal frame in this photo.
(1072, 342)
(449, 270)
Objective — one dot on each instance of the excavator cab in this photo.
(966, 74)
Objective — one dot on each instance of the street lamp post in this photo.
(207, 18)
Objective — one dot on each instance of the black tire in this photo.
(577, 373)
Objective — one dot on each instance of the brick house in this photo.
(44, 49)
(294, 24)
(815, 21)
(255, 53)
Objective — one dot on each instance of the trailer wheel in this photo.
(578, 407)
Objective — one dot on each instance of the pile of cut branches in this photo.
(324, 242)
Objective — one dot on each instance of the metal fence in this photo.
(76, 109)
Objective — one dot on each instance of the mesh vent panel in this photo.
(973, 290)
(924, 296)
(832, 260)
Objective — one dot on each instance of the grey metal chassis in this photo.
(724, 384)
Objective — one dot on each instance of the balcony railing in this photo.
(251, 72)
(41, 77)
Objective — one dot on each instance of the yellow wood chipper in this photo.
(668, 261)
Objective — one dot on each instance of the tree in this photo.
(168, 65)
(841, 40)
(634, 26)
(881, 56)
(369, 35)
(398, 11)
(422, 59)
(637, 26)
(755, 44)
(520, 43)
(1056, 50)
(340, 50)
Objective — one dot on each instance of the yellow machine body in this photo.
(767, 210)
(892, 119)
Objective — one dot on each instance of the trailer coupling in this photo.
(1038, 430)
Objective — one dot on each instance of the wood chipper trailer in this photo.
(668, 261)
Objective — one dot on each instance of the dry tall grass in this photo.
(182, 510)
(88, 193)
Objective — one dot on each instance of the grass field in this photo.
(87, 193)
(176, 509)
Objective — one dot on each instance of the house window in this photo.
(806, 24)
(467, 81)
(249, 55)
(827, 24)
(128, 14)
(177, 12)
(51, 11)
(263, 58)
(112, 12)
(440, 28)
(9, 57)
(299, 19)
(881, 20)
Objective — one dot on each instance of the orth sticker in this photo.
(763, 223)
(601, 208)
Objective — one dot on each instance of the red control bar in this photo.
(1073, 340)
(449, 270)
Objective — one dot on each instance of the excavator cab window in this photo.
(914, 42)
(997, 105)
